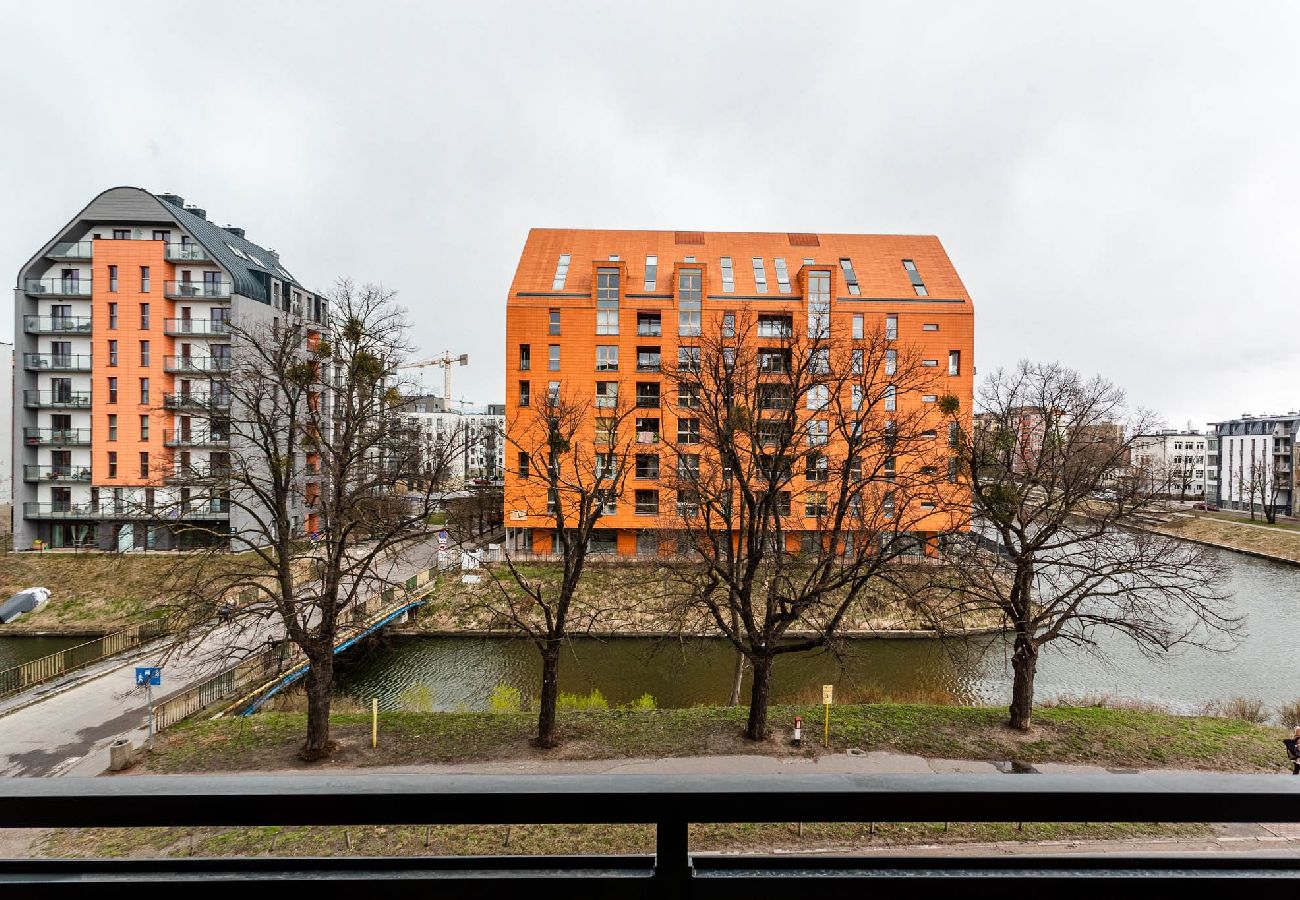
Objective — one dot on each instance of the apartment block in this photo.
(603, 314)
(1257, 462)
(124, 348)
(1175, 461)
(467, 443)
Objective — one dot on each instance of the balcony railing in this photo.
(72, 250)
(58, 287)
(199, 364)
(196, 401)
(648, 365)
(647, 401)
(194, 474)
(56, 399)
(195, 438)
(56, 324)
(75, 474)
(65, 437)
(62, 509)
(197, 290)
(196, 326)
(186, 253)
(57, 362)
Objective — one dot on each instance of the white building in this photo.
(1257, 461)
(1175, 461)
(6, 424)
(470, 441)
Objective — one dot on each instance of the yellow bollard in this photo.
(827, 696)
(374, 723)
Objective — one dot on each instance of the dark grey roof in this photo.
(250, 278)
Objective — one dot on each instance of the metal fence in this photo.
(36, 671)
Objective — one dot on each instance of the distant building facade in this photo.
(6, 423)
(469, 444)
(1174, 461)
(1257, 462)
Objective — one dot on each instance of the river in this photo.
(460, 673)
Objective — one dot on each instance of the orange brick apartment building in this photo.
(903, 285)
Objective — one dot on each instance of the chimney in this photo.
(173, 199)
(233, 229)
(201, 213)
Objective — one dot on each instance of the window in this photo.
(915, 276)
(144, 463)
(952, 469)
(688, 467)
(775, 396)
(689, 296)
(160, 235)
(782, 275)
(144, 353)
(144, 428)
(121, 234)
(144, 391)
(112, 463)
(112, 390)
(607, 358)
(891, 328)
(891, 398)
(144, 316)
(112, 353)
(604, 430)
(817, 467)
(647, 359)
(819, 305)
(775, 326)
(606, 394)
(930, 326)
(930, 363)
(783, 503)
(928, 398)
(818, 432)
(606, 467)
(112, 315)
(857, 326)
(144, 279)
(647, 466)
(688, 359)
(112, 278)
(729, 324)
(954, 432)
(819, 395)
(819, 361)
(688, 503)
(856, 397)
(688, 396)
(887, 504)
(525, 356)
(648, 324)
(850, 277)
(688, 431)
(552, 393)
(814, 503)
(647, 503)
(647, 394)
(561, 272)
(651, 272)
(728, 275)
(607, 301)
(553, 357)
(954, 362)
(112, 426)
(524, 393)
(773, 362)
(760, 276)
(889, 468)
(554, 327)
(858, 361)
(647, 430)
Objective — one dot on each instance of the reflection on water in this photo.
(461, 672)
(17, 650)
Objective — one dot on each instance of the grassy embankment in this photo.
(1279, 541)
(1112, 737)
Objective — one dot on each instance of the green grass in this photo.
(1110, 737)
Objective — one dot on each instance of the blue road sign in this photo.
(151, 675)
(443, 538)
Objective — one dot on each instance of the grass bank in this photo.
(1110, 737)
(88, 591)
(1278, 542)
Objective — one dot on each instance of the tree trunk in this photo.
(550, 694)
(756, 729)
(320, 692)
(1024, 664)
(736, 680)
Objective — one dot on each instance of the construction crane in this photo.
(446, 360)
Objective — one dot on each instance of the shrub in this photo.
(594, 700)
(1288, 714)
(644, 702)
(416, 698)
(1246, 709)
(505, 699)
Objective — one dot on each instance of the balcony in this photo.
(647, 364)
(196, 438)
(196, 401)
(56, 399)
(68, 251)
(200, 509)
(196, 474)
(56, 324)
(56, 437)
(200, 365)
(57, 287)
(197, 290)
(57, 474)
(56, 362)
(196, 327)
(185, 253)
(62, 509)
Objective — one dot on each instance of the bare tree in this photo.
(317, 485)
(1069, 566)
(783, 438)
(573, 481)
(1265, 483)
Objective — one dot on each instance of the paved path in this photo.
(71, 723)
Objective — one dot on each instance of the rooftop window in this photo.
(561, 273)
(782, 275)
(235, 250)
(850, 277)
(651, 272)
(915, 276)
(760, 275)
(728, 275)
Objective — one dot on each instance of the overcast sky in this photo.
(1118, 184)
